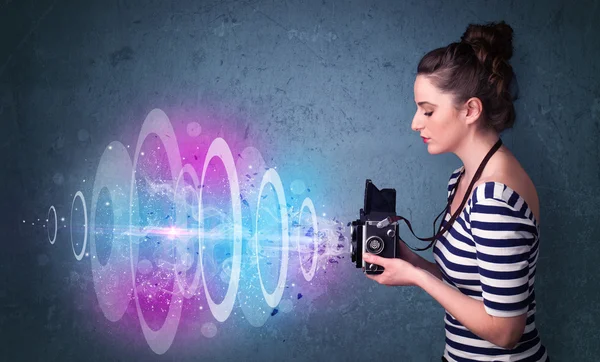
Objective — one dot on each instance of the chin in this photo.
(434, 150)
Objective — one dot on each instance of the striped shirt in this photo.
(490, 254)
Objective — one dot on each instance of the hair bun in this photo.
(492, 44)
(492, 39)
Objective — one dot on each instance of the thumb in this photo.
(374, 259)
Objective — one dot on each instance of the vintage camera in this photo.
(366, 236)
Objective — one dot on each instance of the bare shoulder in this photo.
(506, 169)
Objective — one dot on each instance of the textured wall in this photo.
(324, 90)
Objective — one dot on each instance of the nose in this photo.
(417, 124)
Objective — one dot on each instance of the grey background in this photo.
(327, 85)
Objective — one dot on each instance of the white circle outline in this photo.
(114, 169)
(188, 291)
(80, 255)
(157, 123)
(272, 177)
(311, 273)
(219, 148)
(53, 240)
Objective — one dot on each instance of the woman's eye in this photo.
(428, 114)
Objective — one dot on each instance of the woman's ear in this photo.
(474, 109)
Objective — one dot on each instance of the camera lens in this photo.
(375, 245)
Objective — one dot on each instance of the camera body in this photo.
(366, 236)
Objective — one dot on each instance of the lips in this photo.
(425, 139)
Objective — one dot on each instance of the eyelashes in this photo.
(428, 114)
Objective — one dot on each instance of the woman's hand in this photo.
(396, 271)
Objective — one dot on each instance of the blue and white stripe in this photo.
(490, 254)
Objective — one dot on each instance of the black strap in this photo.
(447, 226)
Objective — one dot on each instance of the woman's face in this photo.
(438, 121)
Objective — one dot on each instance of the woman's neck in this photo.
(473, 150)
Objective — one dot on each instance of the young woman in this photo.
(485, 264)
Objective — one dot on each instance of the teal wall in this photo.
(325, 90)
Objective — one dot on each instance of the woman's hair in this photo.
(477, 66)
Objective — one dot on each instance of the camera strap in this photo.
(457, 212)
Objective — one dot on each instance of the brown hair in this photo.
(477, 66)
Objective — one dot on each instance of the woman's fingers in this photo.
(375, 259)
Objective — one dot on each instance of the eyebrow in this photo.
(423, 103)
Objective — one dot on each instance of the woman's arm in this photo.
(471, 313)
(501, 331)
(503, 236)
(418, 261)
